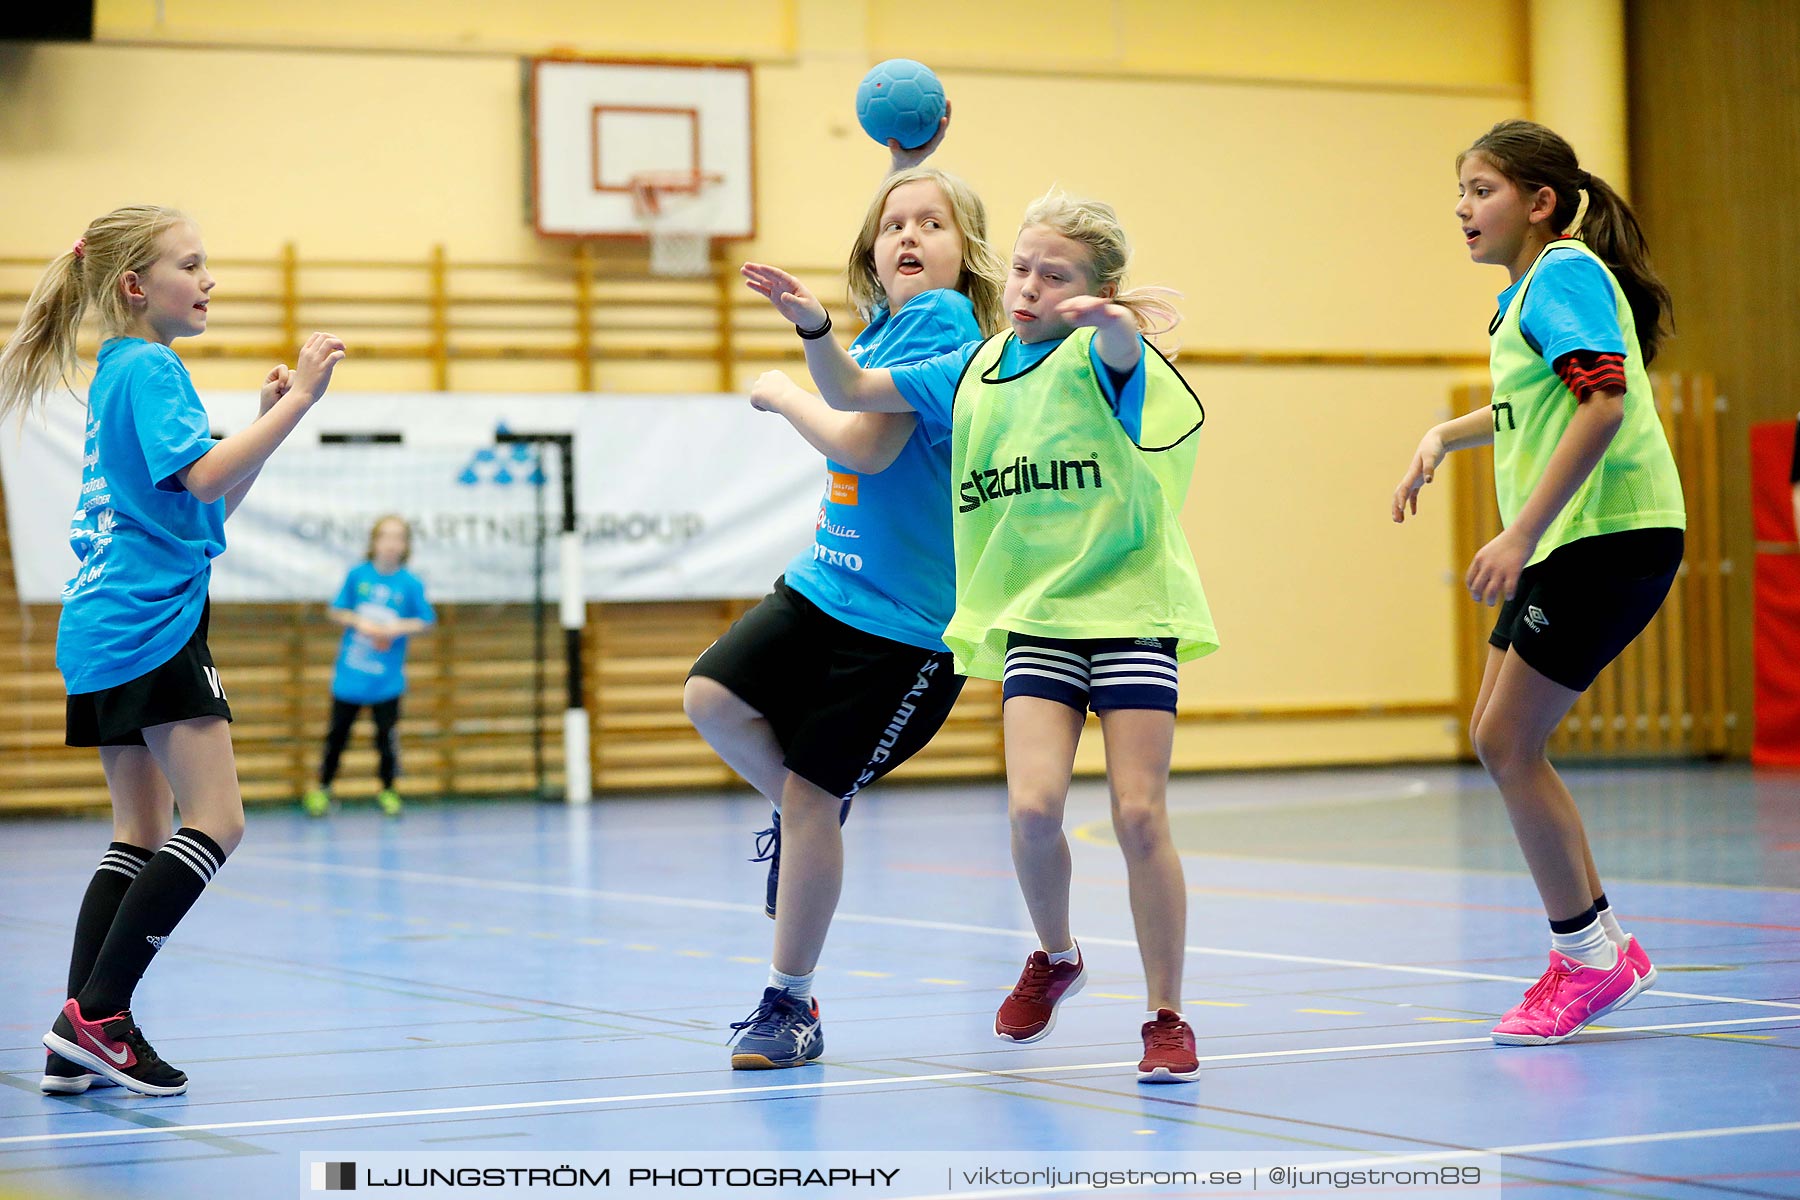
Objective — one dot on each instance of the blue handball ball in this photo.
(902, 100)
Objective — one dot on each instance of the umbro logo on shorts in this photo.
(1534, 617)
(212, 680)
(158, 942)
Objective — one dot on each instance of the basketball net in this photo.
(673, 207)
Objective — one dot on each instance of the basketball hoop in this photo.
(673, 208)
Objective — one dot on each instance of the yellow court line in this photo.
(1740, 1037)
(1115, 996)
(694, 953)
(871, 974)
(1329, 1012)
(1215, 1003)
(947, 982)
(1460, 1020)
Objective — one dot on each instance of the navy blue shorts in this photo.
(1104, 674)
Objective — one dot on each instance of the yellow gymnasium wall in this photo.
(1287, 165)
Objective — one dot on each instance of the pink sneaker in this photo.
(1640, 962)
(1641, 968)
(1029, 1013)
(1569, 995)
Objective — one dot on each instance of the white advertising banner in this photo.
(677, 497)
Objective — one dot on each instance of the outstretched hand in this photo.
(786, 293)
(900, 158)
(1424, 467)
(318, 358)
(1097, 312)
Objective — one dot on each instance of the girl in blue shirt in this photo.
(1048, 381)
(381, 606)
(155, 491)
(842, 673)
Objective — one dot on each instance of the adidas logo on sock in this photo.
(155, 941)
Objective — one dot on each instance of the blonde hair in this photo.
(405, 527)
(983, 276)
(41, 353)
(1096, 226)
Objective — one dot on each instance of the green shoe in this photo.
(316, 802)
(389, 800)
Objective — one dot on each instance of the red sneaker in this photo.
(1030, 1011)
(115, 1048)
(1169, 1055)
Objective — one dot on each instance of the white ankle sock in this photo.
(798, 986)
(1072, 954)
(1589, 945)
(1611, 924)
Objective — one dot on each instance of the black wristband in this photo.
(814, 334)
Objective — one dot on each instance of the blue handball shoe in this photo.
(782, 1032)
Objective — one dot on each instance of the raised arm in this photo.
(844, 385)
(231, 465)
(866, 442)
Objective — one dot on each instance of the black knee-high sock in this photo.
(118, 868)
(152, 906)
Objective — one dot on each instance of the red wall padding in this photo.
(1777, 597)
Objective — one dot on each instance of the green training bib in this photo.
(1065, 527)
(1634, 486)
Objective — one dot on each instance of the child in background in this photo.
(380, 606)
(1072, 447)
(1594, 517)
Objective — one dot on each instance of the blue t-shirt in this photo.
(145, 544)
(881, 557)
(930, 386)
(365, 675)
(1570, 306)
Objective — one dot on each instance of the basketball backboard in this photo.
(600, 128)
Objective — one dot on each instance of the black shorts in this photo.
(185, 687)
(1575, 611)
(846, 706)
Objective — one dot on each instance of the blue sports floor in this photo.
(521, 977)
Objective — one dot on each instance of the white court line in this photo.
(553, 889)
(1637, 1139)
(996, 1076)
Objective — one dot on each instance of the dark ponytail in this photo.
(1533, 157)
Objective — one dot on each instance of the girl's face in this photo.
(1047, 268)
(917, 246)
(1502, 225)
(168, 299)
(388, 544)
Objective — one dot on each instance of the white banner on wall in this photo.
(678, 497)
